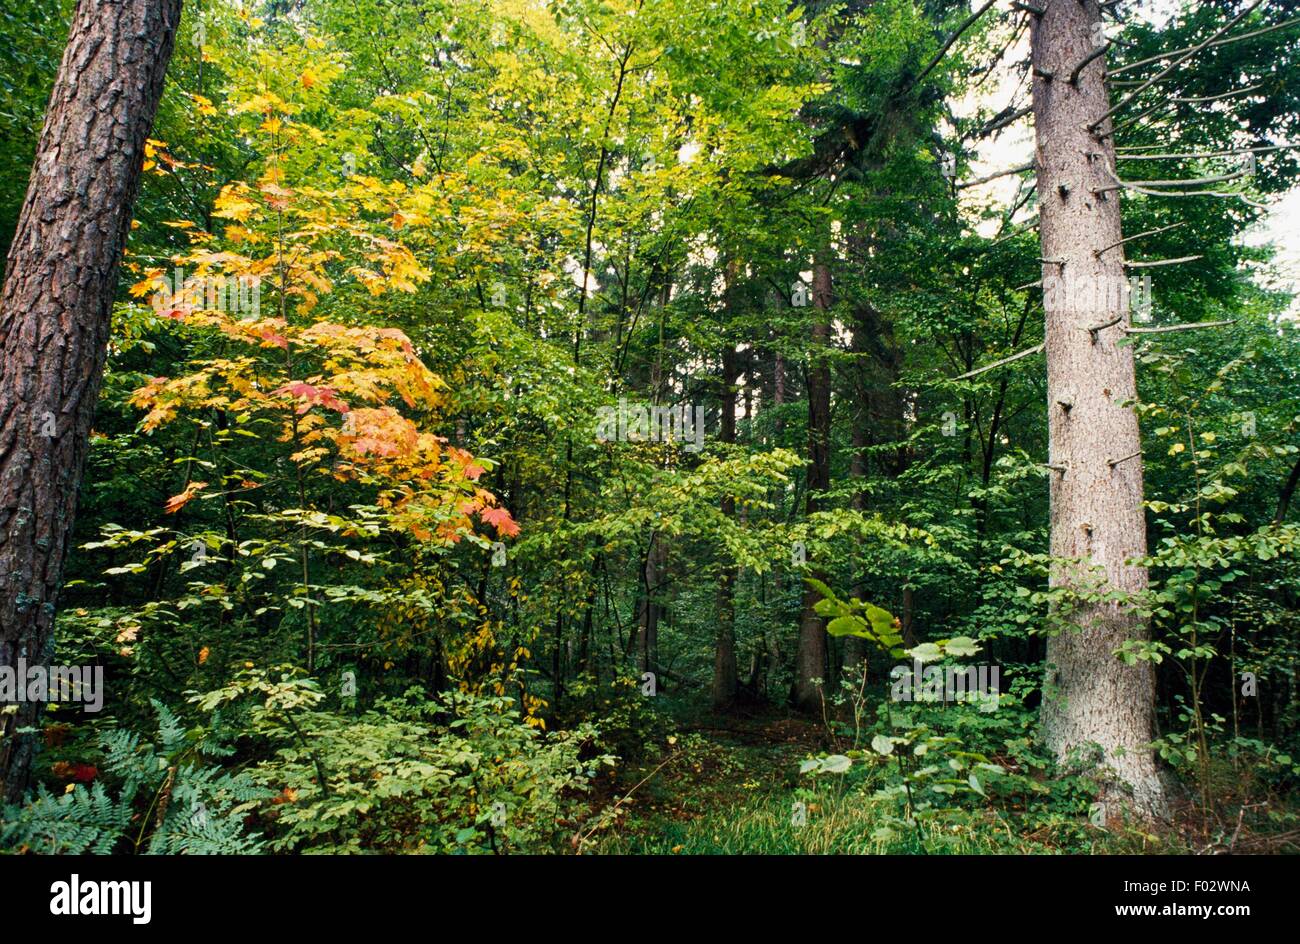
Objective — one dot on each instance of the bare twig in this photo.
(1196, 155)
(1083, 63)
(1006, 360)
(1129, 239)
(1165, 329)
(1155, 263)
(1218, 42)
(956, 34)
(1002, 173)
(1184, 182)
(1175, 64)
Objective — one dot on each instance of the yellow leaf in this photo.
(230, 205)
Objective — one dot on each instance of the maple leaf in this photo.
(231, 205)
(269, 336)
(469, 467)
(152, 282)
(313, 396)
(83, 773)
(500, 519)
(177, 502)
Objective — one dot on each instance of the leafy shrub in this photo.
(455, 773)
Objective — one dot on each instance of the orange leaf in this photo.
(500, 519)
(177, 502)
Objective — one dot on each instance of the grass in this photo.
(731, 786)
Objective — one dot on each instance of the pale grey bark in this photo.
(1090, 697)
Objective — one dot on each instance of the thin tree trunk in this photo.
(725, 682)
(1090, 696)
(649, 631)
(810, 661)
(774, 660)
(54, 314)
(1284, 499)
(855, 649)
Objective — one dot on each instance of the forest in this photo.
(677, 427)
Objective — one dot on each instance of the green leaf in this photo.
(848, 626)
(836, 764)
(925, 652)
(963, 647)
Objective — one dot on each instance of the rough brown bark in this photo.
(810, 660)
(54, 314)
(1091, 699)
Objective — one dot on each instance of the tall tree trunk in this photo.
(725, 682)
(54, 314)
(810, 661)
(855, 649)
(1090, 696)
(648, 633)
(774, 660)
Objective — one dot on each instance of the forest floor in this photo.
(730, 784)
(724, 783)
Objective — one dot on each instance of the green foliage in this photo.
(460, 773)
(371, 545)
(169, 798)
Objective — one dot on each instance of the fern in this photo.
(85, 820)
(169, 801)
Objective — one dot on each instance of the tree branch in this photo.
(1166, 329)
(1175, 64)
(1150, 232)
(943, 50)
(1006, 360)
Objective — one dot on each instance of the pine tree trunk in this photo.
(1090, 696)
(54, 313)
(810, 661)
